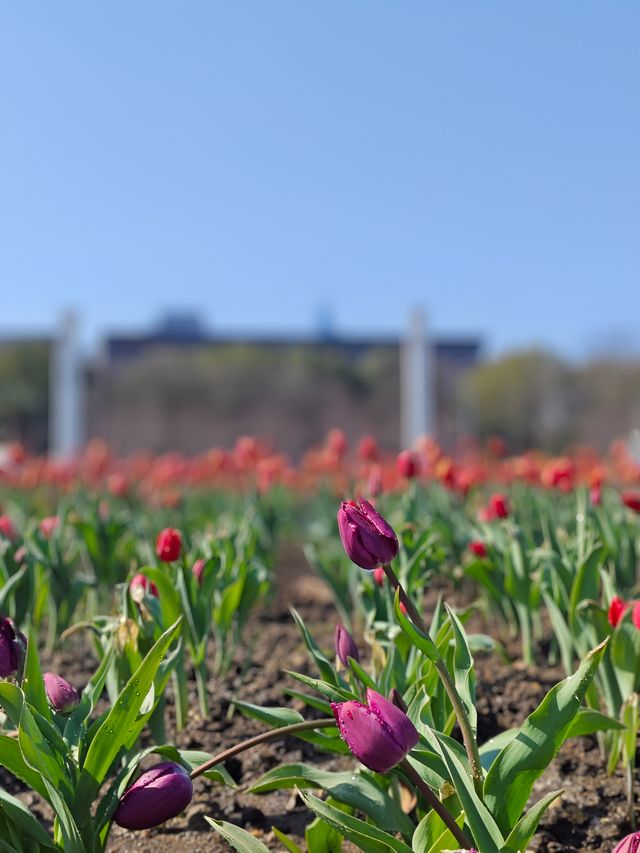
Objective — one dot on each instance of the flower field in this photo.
(425, 653)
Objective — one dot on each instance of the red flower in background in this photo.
(616, 610)
(168, 545)
(632, 500)
(407, 464)
(498, 506)
(478, 548)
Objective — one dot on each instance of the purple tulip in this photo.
(629, 844)
(367, 538)
(63, 697)
(159, 794)
(13, 648)
(345, 646)
(378, 733)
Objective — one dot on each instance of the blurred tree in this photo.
(24, 392)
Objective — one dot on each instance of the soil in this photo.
(590, 815)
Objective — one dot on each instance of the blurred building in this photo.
(178, 386)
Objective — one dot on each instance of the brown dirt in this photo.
(590, 816)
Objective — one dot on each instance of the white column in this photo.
(416, 395)
(65, 391)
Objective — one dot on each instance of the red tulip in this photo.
(6, 528)
(616, 610)
(142, 582)
(635, 615)
(198, 569)
(49, 525)
(478, 548)
(379, 576)
(632, 500)
(407, 464)
(168, 545)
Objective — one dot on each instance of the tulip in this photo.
(6, 528)
(13, 647)
(635, 615)
(595, 495)
(367, 538)
(616, 610)
(478, 548)
(168, 545)
(629, 844)
(375, 481)
(198, 570)
(379, 734)
(63, 697)
(345, 646)
(49, 525)
(158, 795)
(368, 449)
(632, 500)
(498, 507)
(142, 582)
(379, 576)
(407, 464)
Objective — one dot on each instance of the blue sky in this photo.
(260, 161)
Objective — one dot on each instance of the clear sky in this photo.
(261, 161)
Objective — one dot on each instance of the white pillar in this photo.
(416, 396)
(65, 391)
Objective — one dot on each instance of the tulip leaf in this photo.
(463, 669)
(33, 684)
(289, 845)
(90, 695)
(12, 759)
(194, 758)
(71, 838)
(355, 790)
(365, 836)
(432, 834)
(418, 638)
(483, 827)
(326, 670)
(512, 774)
(239, 839)
(523, 831)
(119, 724)
(25, 820)
(167, 594)
(333, 693)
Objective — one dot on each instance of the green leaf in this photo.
(320, 836)
(334, 694)
(71, 838)
(25, 820)
(239, 839)
(509, 781)
(12, 759)
(418, 639)
(195, 758)
(432, 834)
(289, 845)
(365, 836)
(90, 695)
(463, 670)
(484, 829)
(354, 789)
(118, 725)
(33, 683)
(326, 670)
(588, 722)
(523, 831)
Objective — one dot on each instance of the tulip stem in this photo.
(460, 711)
(272, 734)
(443, 813)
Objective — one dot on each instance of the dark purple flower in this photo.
(158, 795)
(629, 844)
(62, 696)
(379, 734)
(13, 648)
(367, 538)
(345, 646)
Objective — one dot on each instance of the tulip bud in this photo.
(345, 646)
(616, 610)
(379, 576)
(63, 697)
(367, 538)
(498, 507)
(595, 495)
(632, 500)
(478, 548)
(140, 584)
(13, 648)
(375, 482)
(49, 525)
(158, 795)
(198, 570)
(629, 844)
(168, 545)
(635, 615)
(6, 528)
(407, 464)
(378, 733)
